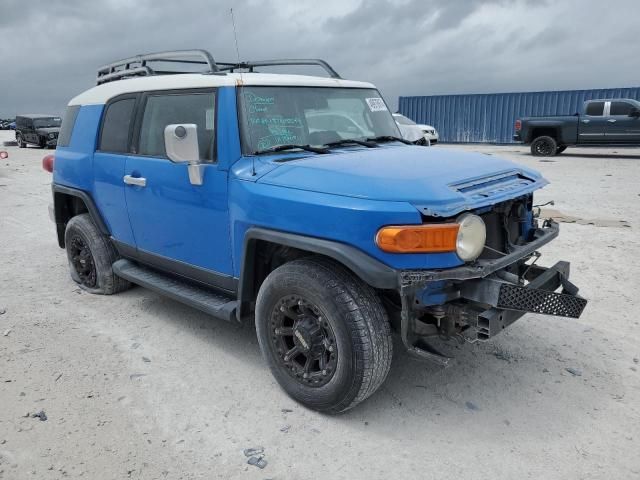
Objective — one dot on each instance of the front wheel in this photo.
(91, 256)
(544, 147)
(324, 334)
(20, 141)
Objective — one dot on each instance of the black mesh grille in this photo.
(540, 301)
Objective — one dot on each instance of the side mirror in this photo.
(634, 112)
(181, 145)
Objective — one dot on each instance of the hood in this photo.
(438, 182)
(48, 130)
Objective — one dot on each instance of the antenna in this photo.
(244, 106)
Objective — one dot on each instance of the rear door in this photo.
(622, 127)
(108, 166)
(179, 227)
(592, 126)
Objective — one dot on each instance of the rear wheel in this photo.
(324, 334)
(544, 146)
(91, 256)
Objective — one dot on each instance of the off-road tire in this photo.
(356, 316)
(544, 146)
(98, 252)
(561, 149)
(20, 141)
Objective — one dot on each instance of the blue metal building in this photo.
(489, 118)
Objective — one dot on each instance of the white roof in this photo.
(102, 93)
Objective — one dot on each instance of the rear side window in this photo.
(595, 109)
(115, 126)
(167, 109)
(68, 122)
(621, 108)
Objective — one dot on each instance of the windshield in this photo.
(402, 120)
(46, 122)
(273, 116)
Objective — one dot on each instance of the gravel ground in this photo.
(138, 386)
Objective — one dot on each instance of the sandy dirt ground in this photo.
(138, 386)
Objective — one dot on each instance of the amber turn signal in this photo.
(439, 237)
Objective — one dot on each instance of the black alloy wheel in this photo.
(82, 261)
(304, 341)
(544, 147)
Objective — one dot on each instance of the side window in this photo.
(115, 126)
(595, 109)
(68, 122)
(621, 108)
(166, 109)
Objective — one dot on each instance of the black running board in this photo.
(213, 303)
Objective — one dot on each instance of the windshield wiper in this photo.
(346, 141)
(280, 148)
(388, 138)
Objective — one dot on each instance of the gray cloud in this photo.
(50, 50)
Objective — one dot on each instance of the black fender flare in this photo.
(59, 214)
(369, 269)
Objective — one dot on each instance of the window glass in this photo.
(47, 122)
(595, 109)
(115, 126)
(621, 108)
(273, 116)
(167, 109)
(68, 122)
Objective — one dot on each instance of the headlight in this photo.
(472, 236)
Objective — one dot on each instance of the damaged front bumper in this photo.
(485, 297)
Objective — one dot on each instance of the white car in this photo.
(429, 132)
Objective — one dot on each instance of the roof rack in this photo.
(138, 65)
(269, 63)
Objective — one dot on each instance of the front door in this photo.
(622, 127)
(592, 125)
(178, 226)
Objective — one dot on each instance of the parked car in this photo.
(40, 130)
(5, 124)
(212, 189)
(12, 125)
(410, 131)
(601, 123)
(429, 132)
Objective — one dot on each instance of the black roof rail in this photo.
(230, 67)
(138, 65)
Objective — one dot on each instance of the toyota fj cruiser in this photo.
(293, 200)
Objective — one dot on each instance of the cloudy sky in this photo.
(50, 49)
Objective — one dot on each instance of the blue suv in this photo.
(293, 201)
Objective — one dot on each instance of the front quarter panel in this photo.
(347, 220)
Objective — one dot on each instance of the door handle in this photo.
(612, 120)
(138, 181)
(586, 121)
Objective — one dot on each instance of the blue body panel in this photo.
(345, 196)
(74, 164)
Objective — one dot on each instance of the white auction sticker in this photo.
(376, 104)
